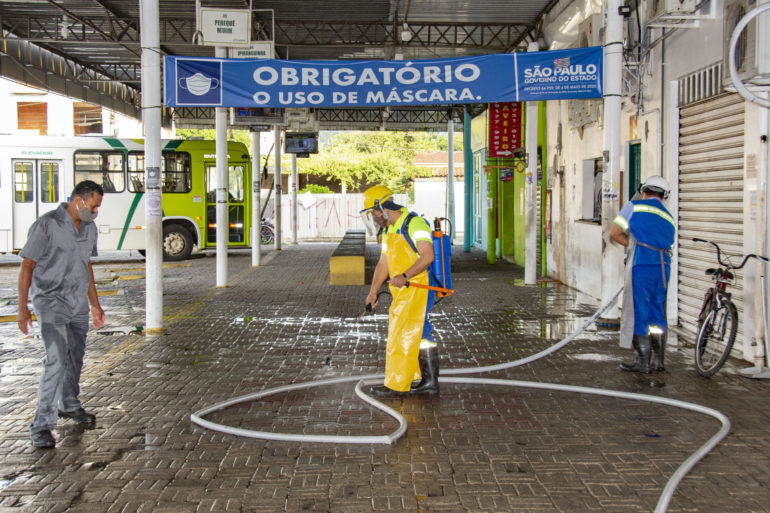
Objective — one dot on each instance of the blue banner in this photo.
(532, 76)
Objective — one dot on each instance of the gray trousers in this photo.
(65, 346)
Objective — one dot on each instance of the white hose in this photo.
(663, 501)
(731, 66)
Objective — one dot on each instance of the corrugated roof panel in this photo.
(102, 36)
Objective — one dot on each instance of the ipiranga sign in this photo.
(532, 76)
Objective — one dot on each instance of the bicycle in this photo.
(267, 232)
(718, 317)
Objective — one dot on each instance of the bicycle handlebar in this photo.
(719, 255)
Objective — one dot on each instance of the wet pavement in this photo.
(474, 448)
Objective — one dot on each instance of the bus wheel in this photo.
(177, 242)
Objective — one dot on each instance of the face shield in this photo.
(372, 222)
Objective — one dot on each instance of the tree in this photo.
(356, 158)
(209, 134)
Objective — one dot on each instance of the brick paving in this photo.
(472, 449)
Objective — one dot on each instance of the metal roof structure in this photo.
(90, 49)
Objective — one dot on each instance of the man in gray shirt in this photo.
(56, 264)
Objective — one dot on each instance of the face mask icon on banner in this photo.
(198, 84)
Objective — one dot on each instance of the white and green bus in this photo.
(39, 172)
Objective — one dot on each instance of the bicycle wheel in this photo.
(267, 234)
(704, 312)
(715, 339)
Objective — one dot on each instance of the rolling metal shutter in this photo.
(710, 201)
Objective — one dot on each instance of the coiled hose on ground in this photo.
(665, 496)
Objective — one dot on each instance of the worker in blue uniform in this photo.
(647, 229)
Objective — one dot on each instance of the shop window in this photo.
(591, 204)
(32, 116)
(87, 118)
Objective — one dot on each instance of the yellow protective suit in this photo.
(406, 317)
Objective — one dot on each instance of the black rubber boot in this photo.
(642, 363)
(658, 344)
(429, 371)
(383, 391)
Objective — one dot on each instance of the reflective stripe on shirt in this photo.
(653, 210)
(621, 221)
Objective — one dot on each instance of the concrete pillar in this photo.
(294, 207)
(450, 177)
(256, 207)
(153, 204)
(612, 253)
(531, 230)
(223, 222)
(277, 191)
(468, 157)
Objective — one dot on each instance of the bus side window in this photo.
(23, 181)
(102, 167)
(235, 183)
(136, 172)
(177, 172)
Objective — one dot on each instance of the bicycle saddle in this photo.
(727, 274)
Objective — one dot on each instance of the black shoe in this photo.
(642, 363)
(80, 416)
(658, 342)
(43, 439)
(383, 391)
(429, 372)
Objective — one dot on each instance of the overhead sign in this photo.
(260, 50)
(532, 76)
(504, 128)
(224, 27)
(257, 116)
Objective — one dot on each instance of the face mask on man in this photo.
(86, 214)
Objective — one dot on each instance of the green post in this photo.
(491, 216)
(501, 234)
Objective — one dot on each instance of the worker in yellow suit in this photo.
(407, 316)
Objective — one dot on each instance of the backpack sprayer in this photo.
(440, 271)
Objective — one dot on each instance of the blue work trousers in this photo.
(427, 329)
(65, 346)
(649, 298)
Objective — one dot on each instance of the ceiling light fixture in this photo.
(406, 34)
(64, 27)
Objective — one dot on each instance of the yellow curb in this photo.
(125, 278)
(107, 292)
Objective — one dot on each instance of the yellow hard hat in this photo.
(376, 195)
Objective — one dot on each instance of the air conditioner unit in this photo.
(591, 31)
(752, 53)
(659, 8)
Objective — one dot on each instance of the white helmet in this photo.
(656, 184)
